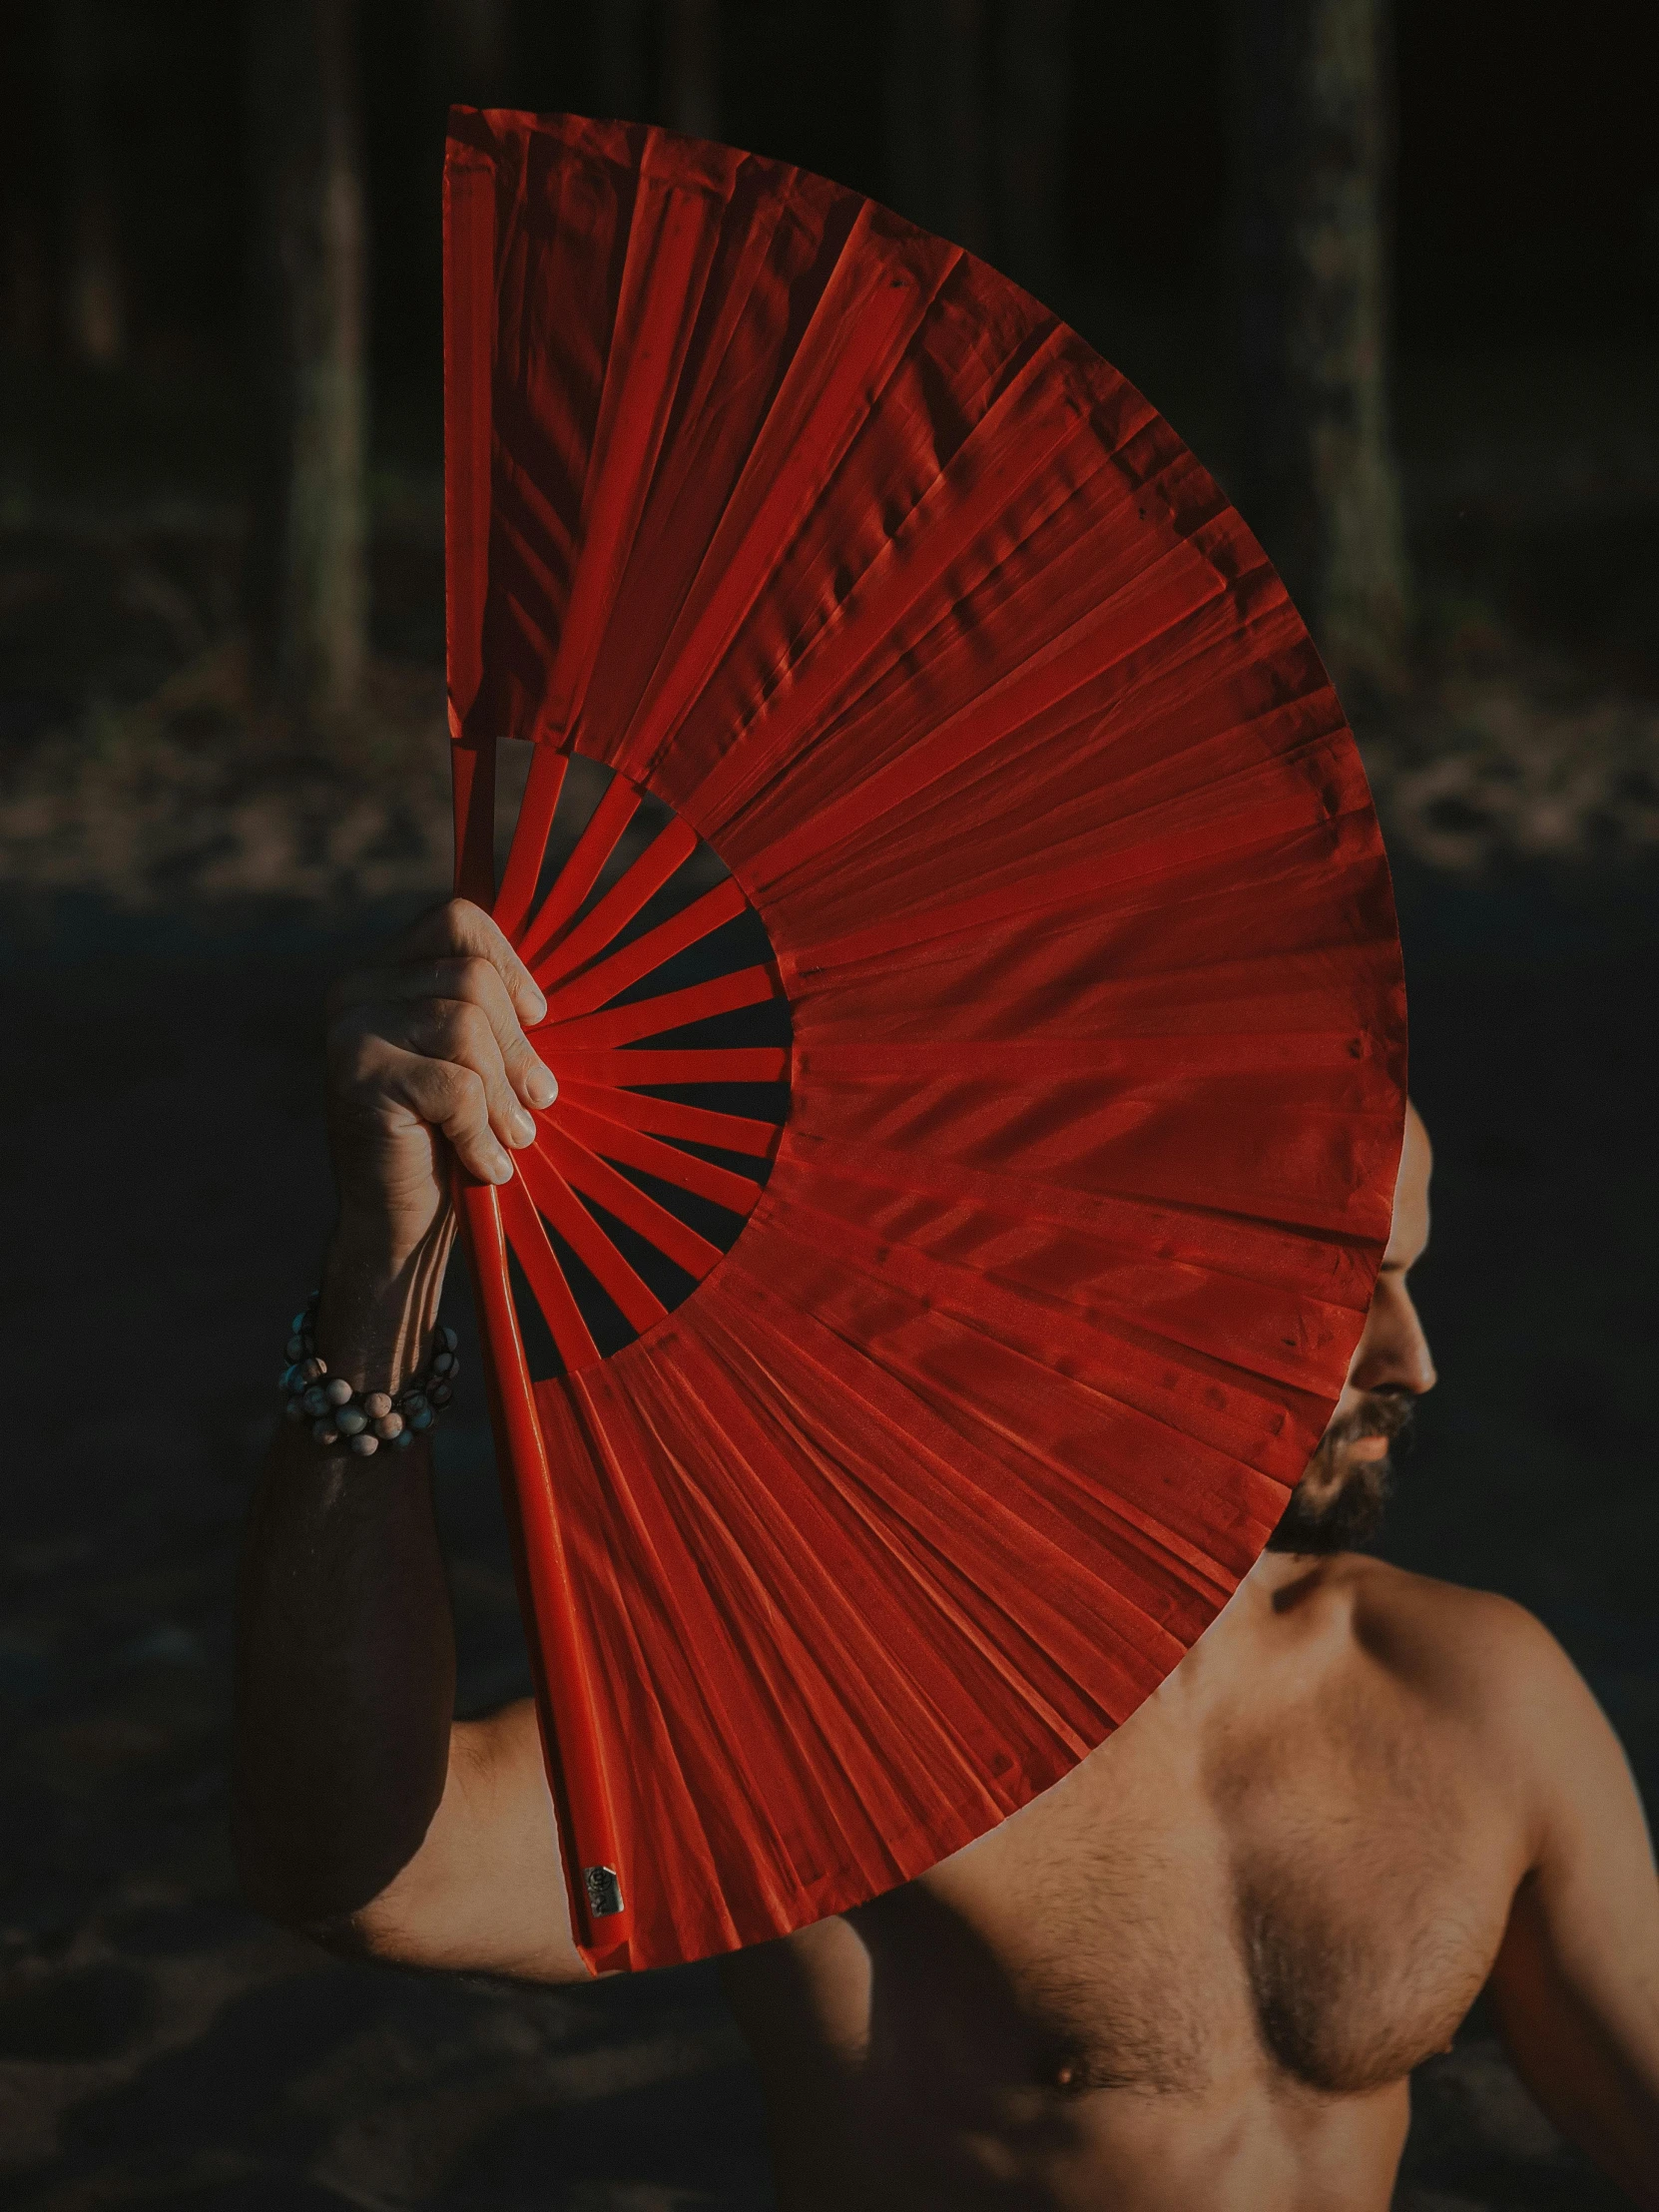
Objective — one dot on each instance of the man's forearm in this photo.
(345, 1665)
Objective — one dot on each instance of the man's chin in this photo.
(1344, 1518)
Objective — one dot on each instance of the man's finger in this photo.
(458, 927)
(452, 1099)
(465, 976)
(460, 1030)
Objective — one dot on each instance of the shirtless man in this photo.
(1193, 1976)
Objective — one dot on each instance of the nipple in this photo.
(1063, 2076)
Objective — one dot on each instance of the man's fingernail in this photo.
(498, 1166)
(542, 1085)
(522, 1127)
(536, 1002)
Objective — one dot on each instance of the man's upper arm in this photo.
(485, 1893)
(1576, 1982)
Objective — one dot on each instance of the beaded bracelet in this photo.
(363, 1419)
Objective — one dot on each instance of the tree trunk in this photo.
(94, 296)
(1030, 98)
(308, 576)
(690, 100)
(618, 35)
(938, 165)
(1312, 90)
(471, 45)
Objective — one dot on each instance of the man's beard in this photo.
(1323, 1520)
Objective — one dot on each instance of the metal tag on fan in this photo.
(604, 1891)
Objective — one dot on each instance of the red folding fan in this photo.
(973, 987)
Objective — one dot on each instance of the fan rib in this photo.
(582, 871)
(535, 1254)
(689, 1064)
(643, 877)
(555, 1199)
(587, 1172)
(529, 846)
(472, 770)
(631, 1148)
(617, 970)
(652, 1017)
(669, 1117)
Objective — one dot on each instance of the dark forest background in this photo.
(1449, 376)
(222, 769)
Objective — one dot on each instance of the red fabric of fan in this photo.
(974, 988)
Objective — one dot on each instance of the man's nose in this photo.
(1394, 1353)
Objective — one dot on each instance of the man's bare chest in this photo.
(1172, 1920)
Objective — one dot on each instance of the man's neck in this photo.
(1279, 1582)
(1277, 1572)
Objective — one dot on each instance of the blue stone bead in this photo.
(421, 1418)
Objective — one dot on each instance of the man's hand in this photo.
(430, 1044)
(426, 1056)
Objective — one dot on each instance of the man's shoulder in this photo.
(1475, 1650)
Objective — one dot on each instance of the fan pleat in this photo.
(983, 1531)
(1048, 1232)
(787, 463)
